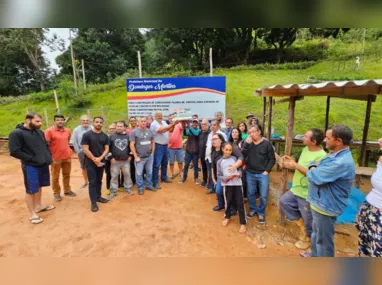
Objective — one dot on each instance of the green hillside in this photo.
(241, 84)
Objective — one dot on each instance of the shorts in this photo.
(178, 152)
(35, 178)
(81, 158)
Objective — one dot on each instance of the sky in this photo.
(62, 33)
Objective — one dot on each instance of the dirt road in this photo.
(175, 221)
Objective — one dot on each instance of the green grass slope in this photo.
(241, 85)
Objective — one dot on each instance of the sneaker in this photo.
(217, 208)
(94, 207)
(129, 191)
(111, 197)
(203, 184)
(210, 191)
(154, 189)
(57, 197)
(181, 181)
(197, 181)
(251, 215)
(71, 194)
(102, 200)
(156, 186)
(261, 219)
(167, 181)
(140, 192)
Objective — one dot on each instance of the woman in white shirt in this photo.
(369, 219)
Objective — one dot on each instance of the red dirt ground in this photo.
(175, 221)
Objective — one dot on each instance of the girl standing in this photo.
(232, 187)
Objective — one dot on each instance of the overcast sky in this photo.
(62, 33)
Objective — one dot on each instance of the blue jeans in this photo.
(194, 158)
(322, 239)
(219, 193)
(160, 160)
(257, 182)
(147, 165)
(210, 183)
(295, 207)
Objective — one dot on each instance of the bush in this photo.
(270, 66)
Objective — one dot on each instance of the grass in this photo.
(241, 85)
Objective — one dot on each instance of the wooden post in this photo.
(27, 110)
(46, 118)
(211, 67)
(365, 130)
(288, 149)
(83, 73)
(103, 113)
(264, 111)
(56, 100)
(269, 132)
(139, 64)
(89, 114)
(327, 113)
(72, 55)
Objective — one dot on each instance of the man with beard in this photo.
(58, 138)
(78, 132)
(27, 143)
(120, 160)
(95, 144)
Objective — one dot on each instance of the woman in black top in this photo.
(235, 137)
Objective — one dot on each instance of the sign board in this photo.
(184, 96)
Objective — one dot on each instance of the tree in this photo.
(31, 41)
(107, 53)
(327, 32)
(23, 68)
(279, 38)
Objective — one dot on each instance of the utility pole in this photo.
(211, 71)
(71, 51)
(83, 73)
(363, 39)
(139, 64)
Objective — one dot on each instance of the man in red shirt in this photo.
(58, 139)
(175, 148)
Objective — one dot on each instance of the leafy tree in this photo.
(279, 38)
(107, 53)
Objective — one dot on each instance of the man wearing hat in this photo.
(251, 119)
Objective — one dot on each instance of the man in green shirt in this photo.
(293, 202)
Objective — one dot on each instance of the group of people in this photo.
(233, 163)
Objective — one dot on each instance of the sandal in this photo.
(225, 222)
(46, 208)
(174, 176)
(304, 254)
(36, 221)
(84, 185)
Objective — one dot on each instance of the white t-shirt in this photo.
(209, 144)
(159, 138)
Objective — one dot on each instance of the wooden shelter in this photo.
(364, 90)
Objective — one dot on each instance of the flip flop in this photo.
(36, 221)
(46, 208)
(304, 254)
(84, 185)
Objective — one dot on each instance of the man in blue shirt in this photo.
(330, 181)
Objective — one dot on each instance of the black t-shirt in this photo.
(96, 142)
